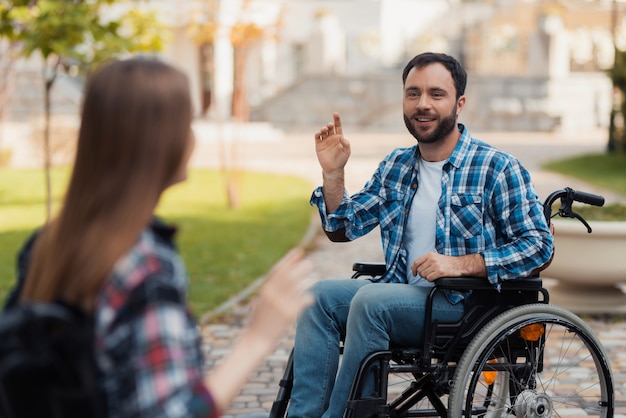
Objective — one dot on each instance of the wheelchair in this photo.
(512, 354)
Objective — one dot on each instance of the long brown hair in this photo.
(135, 127)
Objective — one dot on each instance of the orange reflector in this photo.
(532, 332)
(489, 377)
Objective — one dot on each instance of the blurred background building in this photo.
(533, 65)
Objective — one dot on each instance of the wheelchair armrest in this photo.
(481, 283)
(368, 269)
(454, 283)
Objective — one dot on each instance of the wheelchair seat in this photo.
(446, 341)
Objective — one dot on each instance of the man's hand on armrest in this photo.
(432, 266)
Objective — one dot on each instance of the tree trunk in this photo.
(46, 153)
(207, 69)
(241, 108)
(241, 114)
(48, 83)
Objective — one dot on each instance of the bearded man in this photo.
(450, 206)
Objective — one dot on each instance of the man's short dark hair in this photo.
(456, 70)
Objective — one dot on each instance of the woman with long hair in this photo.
(135, 140)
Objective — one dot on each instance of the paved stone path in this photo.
(294, 154)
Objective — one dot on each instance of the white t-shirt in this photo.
(419, 234)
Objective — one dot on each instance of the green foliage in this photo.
(618, 72)
(617, 133)
(224, 250)
(86, 32)
(76, 34)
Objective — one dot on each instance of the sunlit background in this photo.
(283, 64)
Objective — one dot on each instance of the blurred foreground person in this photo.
(105, 251)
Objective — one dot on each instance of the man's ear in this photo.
(459, 105)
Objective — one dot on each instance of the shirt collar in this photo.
(164, 231)
(462, 147)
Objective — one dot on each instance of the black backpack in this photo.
(47, 367)
(47, 364)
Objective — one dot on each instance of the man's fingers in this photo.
(338, 127)
(331, 129)
(322, 134)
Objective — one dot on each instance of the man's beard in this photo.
(446, 125)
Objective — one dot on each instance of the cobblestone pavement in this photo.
(294, 154)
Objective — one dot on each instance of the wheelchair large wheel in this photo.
(554, 365)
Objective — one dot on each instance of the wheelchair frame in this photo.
(490, 363)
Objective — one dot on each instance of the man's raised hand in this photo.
(332, 148)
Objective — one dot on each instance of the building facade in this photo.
(533, 64)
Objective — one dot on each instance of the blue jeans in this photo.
(370, 315)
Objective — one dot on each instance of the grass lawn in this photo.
(225, 250)
(607, 171)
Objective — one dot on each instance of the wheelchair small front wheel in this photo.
(554, 364)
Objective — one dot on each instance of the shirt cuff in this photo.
(202, 403)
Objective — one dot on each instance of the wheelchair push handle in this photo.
(568, 196)
(588, 198)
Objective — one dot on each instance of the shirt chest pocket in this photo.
(390, 206)
(466, 215)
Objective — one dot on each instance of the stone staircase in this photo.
(373, 103)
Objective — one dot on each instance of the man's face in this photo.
(430, 105)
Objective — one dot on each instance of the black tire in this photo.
(562, 367)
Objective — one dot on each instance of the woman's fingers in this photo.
(288, 280)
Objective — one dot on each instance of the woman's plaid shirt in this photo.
(487, 206)
(151, 360)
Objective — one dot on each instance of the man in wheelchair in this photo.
(450, 206)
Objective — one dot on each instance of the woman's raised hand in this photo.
(283, 296)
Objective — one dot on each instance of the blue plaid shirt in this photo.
(487, 206)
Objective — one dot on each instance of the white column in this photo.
(224, 71)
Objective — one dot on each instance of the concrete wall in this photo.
(579, 101)
(362, 101)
